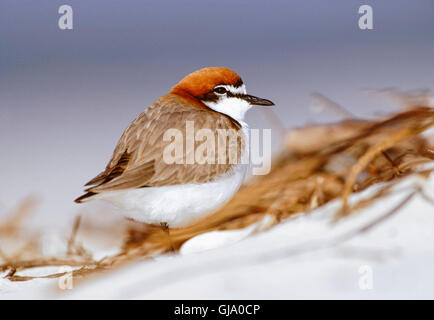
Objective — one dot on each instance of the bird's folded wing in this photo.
(138, 157)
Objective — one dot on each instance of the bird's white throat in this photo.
(234, 107)
(177, 205)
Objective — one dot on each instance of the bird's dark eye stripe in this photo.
(239, 83)
(220, 90)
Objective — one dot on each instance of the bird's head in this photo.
(221, 90)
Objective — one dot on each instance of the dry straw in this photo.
(317, 164)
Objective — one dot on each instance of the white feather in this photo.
(234, 107)
(177, 205)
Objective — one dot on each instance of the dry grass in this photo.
(318, 164)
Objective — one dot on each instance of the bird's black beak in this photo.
(256, 101)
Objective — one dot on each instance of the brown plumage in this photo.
(137, 160)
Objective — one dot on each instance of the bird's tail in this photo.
(86, 197)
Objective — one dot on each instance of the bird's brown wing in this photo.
(137, 160)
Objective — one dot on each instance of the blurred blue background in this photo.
(67, 95)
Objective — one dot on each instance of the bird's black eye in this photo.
(220, 90)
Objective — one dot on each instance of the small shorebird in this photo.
(140, 181)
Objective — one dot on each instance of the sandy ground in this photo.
(380, 252)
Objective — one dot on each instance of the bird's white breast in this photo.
(177, 205)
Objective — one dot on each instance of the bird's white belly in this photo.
(178, 205)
